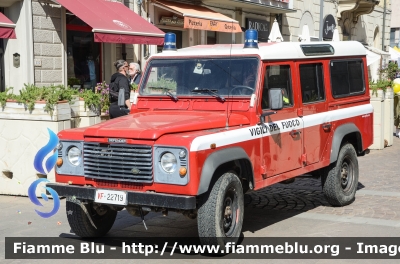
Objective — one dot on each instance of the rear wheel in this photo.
(100, 222)
(340, 181)
(220, 216)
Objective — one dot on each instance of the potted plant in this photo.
(91, 103)
(38, 103)
(134, 93)
(6, 96)
(381, 84)
(104, 90)
(74, 82)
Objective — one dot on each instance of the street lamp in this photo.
(321, 18)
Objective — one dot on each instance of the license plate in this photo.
(110, 197)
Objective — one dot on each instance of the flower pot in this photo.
(78, 108)
(104, 117)
(14, 110)
(134, 96)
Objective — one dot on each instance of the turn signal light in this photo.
(182, 171)
(59, 162)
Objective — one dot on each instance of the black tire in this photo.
(340, 181)
(80, 223)
(220, 216)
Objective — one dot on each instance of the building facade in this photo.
(55, 46)
(395, 25)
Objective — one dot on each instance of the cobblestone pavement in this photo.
(281, 210)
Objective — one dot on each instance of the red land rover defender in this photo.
(213, 122)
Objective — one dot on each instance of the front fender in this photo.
(215, 160)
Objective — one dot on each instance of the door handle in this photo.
(327, 127)
(294, 133)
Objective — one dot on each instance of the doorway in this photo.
(2, 86)
(84, 60)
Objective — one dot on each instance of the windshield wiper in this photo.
(165, 90)
(211, 92)
(171, 95)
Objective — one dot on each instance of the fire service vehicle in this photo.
(213, 122)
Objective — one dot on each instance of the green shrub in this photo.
(30, 94)
(4, 96)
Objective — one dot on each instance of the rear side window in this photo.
(312, 83)
(347, 77)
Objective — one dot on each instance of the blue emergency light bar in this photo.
(251, 39)
(170, 42)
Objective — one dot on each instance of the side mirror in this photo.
(275, 98)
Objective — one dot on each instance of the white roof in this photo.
(268, 51)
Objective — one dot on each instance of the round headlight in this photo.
(74, 156)
(168, 162)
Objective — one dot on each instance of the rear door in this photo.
(317, 126)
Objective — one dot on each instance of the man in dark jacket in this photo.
(121, 81)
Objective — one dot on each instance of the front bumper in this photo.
(183, 202)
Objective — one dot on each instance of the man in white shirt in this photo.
(134, 73)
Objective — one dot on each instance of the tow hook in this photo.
(87, 214)
(142, 216)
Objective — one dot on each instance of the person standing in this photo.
(118, 81)
(134, 73)
(92, 72)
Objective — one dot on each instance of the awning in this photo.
(372, 57)
(394, 54)
(256, 6)
(6, 27)
(375, 54)
(199, 17)
(113, 22)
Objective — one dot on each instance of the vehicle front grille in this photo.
(118, 162)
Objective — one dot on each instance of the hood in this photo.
(152, 125)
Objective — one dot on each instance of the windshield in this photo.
(206, 77)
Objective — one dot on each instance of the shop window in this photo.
(83, 54)
(211, 37)
(347, 77)
(312, 82)
(392, 37)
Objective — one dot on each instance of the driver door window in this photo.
(278, 76)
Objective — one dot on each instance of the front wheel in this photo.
(340, 181)
(98, 224)
(220, 216)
